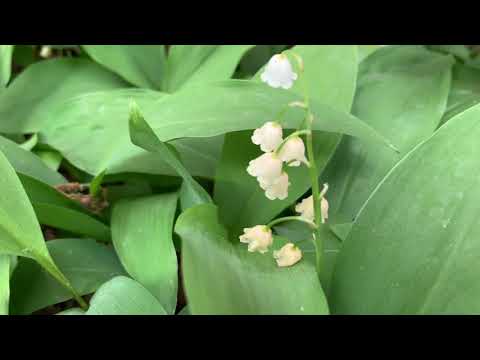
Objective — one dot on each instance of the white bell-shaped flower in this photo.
(293, 152)
(268, 167)
(278, 189)
(305, 208)
(288, 255)
(269, 136)
(258, 238)
(279, 72)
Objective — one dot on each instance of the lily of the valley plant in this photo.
(270, 169)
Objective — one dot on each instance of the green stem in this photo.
(291, 218)
(313, 171)
(315, 192)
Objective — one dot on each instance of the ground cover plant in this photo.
(239, 179)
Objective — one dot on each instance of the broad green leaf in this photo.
(26, 104)
(72, 311)
(341, 230)
(142, 236)
(6, 52)
(143, 136)
(221, 277)
(326, 68)
(124, 296)
(85, 262)
(402, 91)
(365, 50)
(52, 159)
(141, 65)
(56, 210)
(70, 220)
(189, 64)
(464, 91)
(25, 162)
(23, 55)
(460, 51)
(4, 284)
(20, 232)
(235, 105)
(330, 76)
(414, 248)
(129, 188)
(100, 119)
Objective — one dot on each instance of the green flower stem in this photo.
(317, 210)
(291, 218)
(313, 171)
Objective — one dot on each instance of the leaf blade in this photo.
(143, 136)
(85, 262)
(26, 108)
(142, 236)
(124, 296)
(248, 283)
(423, 238)
(141, 65)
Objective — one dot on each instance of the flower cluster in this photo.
(268, 168)
(259, 238)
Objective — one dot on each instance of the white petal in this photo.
(305, 208)
(293, 151)
(279, 72)
(288, 255)
(258, 238)
(279, 188)
(324, 208)
(267, 166)
(269, 136)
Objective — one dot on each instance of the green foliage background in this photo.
(123, 180)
